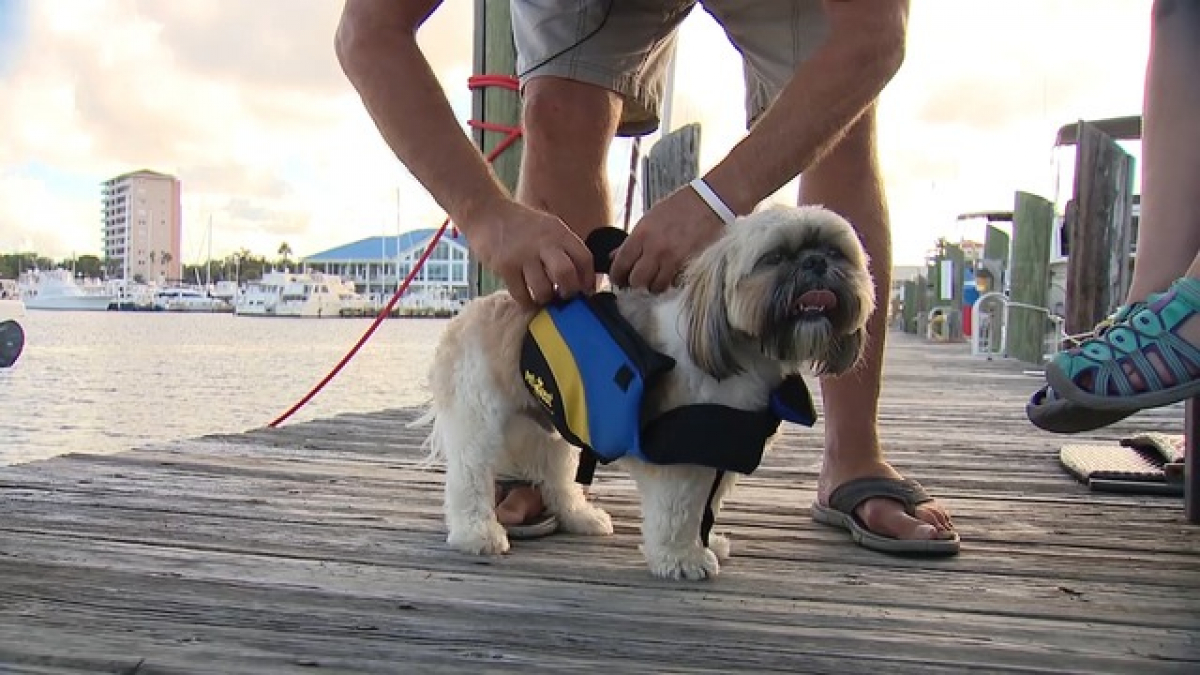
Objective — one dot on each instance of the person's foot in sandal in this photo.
(1049, 411)
(1150, 359)
(520, 509)
(884, 511)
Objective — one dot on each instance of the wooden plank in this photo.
(320, 546)
(1191, 471)
(1033, 223)
(1099, 230)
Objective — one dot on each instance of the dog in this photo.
(782, 288)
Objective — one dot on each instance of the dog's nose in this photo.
(814, 264)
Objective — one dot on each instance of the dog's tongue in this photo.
(822, 299)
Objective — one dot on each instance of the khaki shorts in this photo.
(626, 46)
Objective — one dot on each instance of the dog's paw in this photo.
(691, 564)
(719, 543)
(479, 538)
(589, 520)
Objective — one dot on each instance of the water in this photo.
(105, 382)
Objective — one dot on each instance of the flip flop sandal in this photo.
(846, 498)
(1050, 412)
(537, 526)
(1104, 360)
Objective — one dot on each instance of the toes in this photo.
(934, 514)
(887, 517)
(519, 505)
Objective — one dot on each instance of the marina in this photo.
(318, 547)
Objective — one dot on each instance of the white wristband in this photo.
(714, 202)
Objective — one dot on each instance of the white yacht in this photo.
(184, 299)
(319, 295)
(58, 290)
(261, 296)
(11, 305)
(311, 294)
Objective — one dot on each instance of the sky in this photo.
(245, 102)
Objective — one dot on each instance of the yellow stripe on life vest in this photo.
(565, 372)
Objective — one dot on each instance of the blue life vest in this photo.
(590, 369)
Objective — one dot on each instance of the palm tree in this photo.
(165, 258)
(285, 252)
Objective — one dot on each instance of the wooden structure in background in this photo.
(495, 54)
(1099, 229)
(673, 162)
(1033, 223)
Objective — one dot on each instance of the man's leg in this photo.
(848, 181)
(569, 126)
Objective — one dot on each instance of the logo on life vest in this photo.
(538, 387)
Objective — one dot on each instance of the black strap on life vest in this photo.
(706, 523)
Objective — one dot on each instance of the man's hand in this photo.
(536, 254)
(666, 237)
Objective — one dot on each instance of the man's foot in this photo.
(887, 516)
(522, 512)
(518, 504)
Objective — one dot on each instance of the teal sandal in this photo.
(1103, 360)
(1049, 411)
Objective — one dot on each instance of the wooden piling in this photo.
(673, 162)
(495, 54)
(1099, 229)
(1033, 223)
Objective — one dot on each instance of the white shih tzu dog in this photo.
(783, 288)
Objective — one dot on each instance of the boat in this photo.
(184, 299)
(307, 294)
(261, 296)
(11, 305)
(319, 295)
(57, 290)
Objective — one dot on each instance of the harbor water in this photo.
(104, 382)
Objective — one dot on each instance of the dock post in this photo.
(1033, 222)
(495, 54)
(1099, 235)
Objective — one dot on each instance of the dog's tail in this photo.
(434, 453)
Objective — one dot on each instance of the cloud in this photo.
(244, 101)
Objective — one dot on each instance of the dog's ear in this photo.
(709, 335)
(844, 353)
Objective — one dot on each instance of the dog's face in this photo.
(792, 283)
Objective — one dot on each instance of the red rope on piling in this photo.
(512, 135)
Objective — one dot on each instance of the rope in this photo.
(512, 134)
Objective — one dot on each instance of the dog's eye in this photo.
(772, 258)
(833, 252)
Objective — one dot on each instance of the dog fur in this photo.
(735, 325)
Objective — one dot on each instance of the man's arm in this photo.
(863, 49)
(534, 252)
(376, 45)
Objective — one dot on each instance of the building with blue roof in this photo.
(377, 265)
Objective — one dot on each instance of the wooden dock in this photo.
(318, 547)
